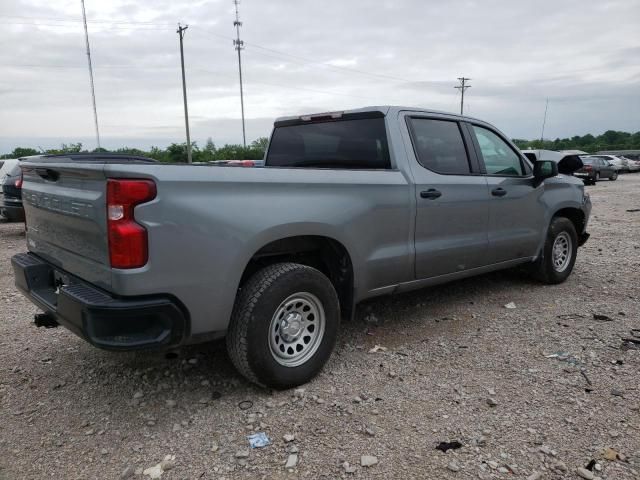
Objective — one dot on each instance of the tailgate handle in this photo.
(48, 174)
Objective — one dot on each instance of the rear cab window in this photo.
(439, 145)
(354, 141)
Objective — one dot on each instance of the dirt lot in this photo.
(458, 366)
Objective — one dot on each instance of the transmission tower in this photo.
(239, 45)
(93, 91)
(462, 87)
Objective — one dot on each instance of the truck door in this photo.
(516, 212)
(452, 201)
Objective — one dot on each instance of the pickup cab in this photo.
(349, 205)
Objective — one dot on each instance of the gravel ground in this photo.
(457, 365)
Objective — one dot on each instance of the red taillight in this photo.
(588, 168)
(128, 247)
(18, 182)
(241, 163)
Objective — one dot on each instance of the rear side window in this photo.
(355, 144)
(499, 158)
(439, 146)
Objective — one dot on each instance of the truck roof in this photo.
(383, 109)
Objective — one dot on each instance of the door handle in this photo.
(432, 193)
(498, 192)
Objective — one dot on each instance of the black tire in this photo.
(614, 176)
(544, 268)
(248, 337)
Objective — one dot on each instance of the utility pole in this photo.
(462, 87)
(93, 91)
(180, 33)
(239, 45)
(544, 121)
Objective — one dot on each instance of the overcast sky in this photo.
(312, 56)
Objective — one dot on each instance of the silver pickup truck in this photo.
(349, 205)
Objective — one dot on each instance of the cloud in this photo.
(307, 56)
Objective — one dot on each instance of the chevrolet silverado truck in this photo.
(349, 205)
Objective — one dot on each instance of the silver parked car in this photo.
(620, 164)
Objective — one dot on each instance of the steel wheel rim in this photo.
(296, 329)
(561, 252)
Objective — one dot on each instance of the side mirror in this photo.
(544, 169)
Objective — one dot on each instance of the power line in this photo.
(462, 87)
(292, 57)
(239, 45)
(181, 31)
(114, 26)
(98, 67)
(73, 20)
(328, 65)
(304, 60)
(289, 87)
(299, 58)
(166, 67)
(93, 91)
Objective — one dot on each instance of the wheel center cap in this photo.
(291, 326)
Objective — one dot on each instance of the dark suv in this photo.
(11, 198)
(595, 169)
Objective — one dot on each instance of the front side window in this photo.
(499, 158)
(439, 146)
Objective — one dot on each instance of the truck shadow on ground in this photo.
(201, 375)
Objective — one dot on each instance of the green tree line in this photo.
(609, 140)
(174, 153)
(177, 152)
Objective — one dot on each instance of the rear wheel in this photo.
(597, 179)
(559, 252)
(284, 325)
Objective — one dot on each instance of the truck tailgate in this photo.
(65, 208)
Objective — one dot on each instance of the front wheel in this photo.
(284, 325)
(559, 252)
(614, 176)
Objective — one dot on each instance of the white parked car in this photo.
(634, 165)
(5, 168)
